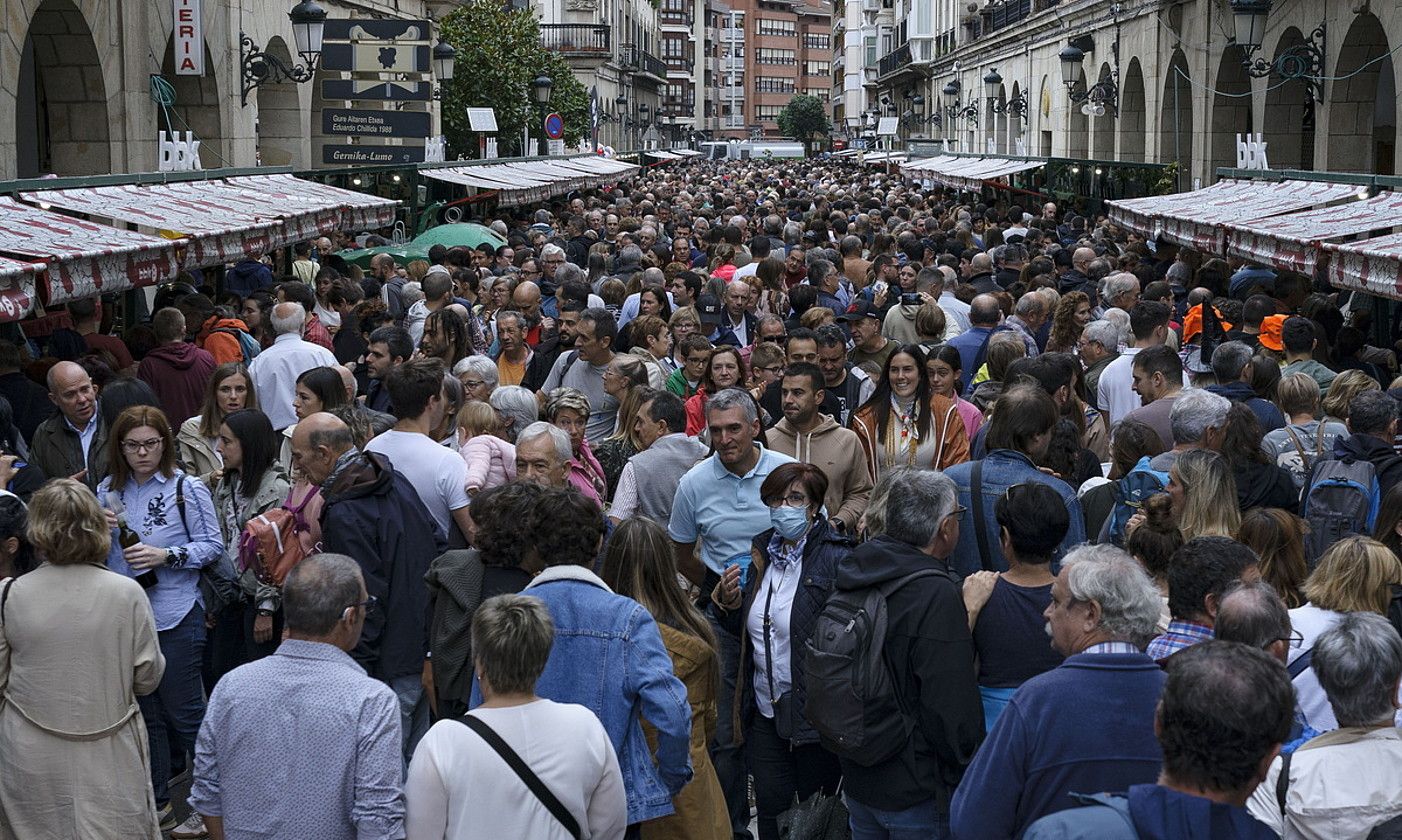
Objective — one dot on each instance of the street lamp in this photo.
(1302, 61)
(1100, 98)
(443, 61)
(258, 67)
(541, 85)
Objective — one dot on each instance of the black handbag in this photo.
(819, 817)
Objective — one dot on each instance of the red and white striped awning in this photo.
(968, 173)
(1371, 265)
(1201, 225)
(535, 180)
(84, 258)
(1141, 214)
(216, 234)
(1292, 241)
(359, 211)
(17, 288)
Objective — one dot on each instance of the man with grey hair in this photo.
(716, 513)
(1098, 346)
(1231, 365)
(824, 276)
(981, 275)
(1198, 421)
(930, 654)
(372, 514)
(543, 453)
(943, 285)
(1121, 291)
(335, 728)
(274, 372)
(1043, 749)
(1344, 783)
(517, 407)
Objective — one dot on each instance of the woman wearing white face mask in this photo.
(772, 604)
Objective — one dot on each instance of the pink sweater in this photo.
(491, 462)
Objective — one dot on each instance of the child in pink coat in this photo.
(491, 461)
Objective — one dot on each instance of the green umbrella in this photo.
(403, 254)
(464, 234)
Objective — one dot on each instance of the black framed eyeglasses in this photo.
(370, 603)
(1295, 640)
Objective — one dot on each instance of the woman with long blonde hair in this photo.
(1357, 574)
(1204, 495)
(640, 565)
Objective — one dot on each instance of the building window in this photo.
(673, 48)
(768, 112)
(816, 41)
(821, 93)
(781, 28)
(817, 68)
(774, 84)
(870, 45)
(768, 55)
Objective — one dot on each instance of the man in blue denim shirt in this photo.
(1017, 435)
(608, 655)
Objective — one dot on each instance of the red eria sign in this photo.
(188, 38)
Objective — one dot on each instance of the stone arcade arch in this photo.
(282, 140)
(1363, 102)
(196, 108)
(1103, 127)
(1231, 110)
(61, 122)
(1132, 113)
(1176, 119)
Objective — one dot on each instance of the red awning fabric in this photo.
(534, 180)
(216, 234)
(300, 223)
(1371, 265)
(1292, 241)
(967, 173)
(1200, 225)
(84, 258)
(1141, 214)
(359, 211)
(17, 288)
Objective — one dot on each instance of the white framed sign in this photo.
(188, 38)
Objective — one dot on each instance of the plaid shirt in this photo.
(1181, 634)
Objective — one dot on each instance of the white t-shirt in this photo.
(438, 473)
(459, 787)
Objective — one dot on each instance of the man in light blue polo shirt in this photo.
(718, 505)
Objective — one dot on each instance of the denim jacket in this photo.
(609, 657)
(1004, 468)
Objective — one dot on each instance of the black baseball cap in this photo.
(708, 307)
(861, 308)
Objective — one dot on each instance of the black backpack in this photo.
(852, 700)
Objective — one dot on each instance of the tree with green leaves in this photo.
(804, 118)
(498, 56)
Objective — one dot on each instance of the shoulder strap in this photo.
(1295, 440)
(1282, 782)
(180, 502)
(5, 596)
(980, 528)
(527, 775)
(1301, 664)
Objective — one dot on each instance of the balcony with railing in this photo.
(576, 39)
(673, 17)
(893, 62)
(678, 64)
(643, 63)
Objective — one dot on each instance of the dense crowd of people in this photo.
(735, 497)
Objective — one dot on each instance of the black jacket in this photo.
(1006, 277)
(377, 397)
(1365, 447)
(984, 284)
(542, 360)
(1265, 485)
(29, 400)
(822, 554)
(373, 515)
(931, 656)
(1075, 281)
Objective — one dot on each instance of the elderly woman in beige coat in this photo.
(77, 644)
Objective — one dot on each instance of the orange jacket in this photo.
(223, 346)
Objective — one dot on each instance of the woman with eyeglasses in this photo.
(1006, 608)
(771, 602)
(164, 531)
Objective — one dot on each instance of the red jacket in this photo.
(179, 374)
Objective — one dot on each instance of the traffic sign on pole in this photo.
(554, 126)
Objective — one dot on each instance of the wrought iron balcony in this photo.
(894, 61)
(590, 39)
(643, 63)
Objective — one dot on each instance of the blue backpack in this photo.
(1133, 489)
(248, 345)
(1341, 500)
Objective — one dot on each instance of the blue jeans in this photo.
(413, 712)
(918, 822)
(178, 700)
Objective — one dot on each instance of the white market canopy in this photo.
(527, 181)
(968, 173)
